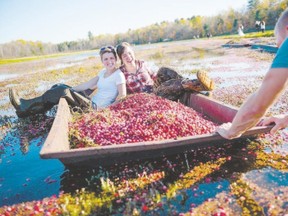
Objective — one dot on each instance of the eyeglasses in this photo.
(111, 48)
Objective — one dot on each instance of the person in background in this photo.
(262, 26)
(110, 84)
(274, 83)
(257, 25)
(166, 82)
(240, 30)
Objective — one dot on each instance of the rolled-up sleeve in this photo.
(281, 58)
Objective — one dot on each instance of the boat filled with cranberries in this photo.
(141, 126)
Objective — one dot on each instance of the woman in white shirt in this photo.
(110, 81)
(110, 84)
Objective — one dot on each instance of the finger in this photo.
(260, 122)
(275, 129)
(268, 121)
(278, 126)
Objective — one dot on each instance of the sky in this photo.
(57, 21)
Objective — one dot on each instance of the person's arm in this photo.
(121, 87)
(257, 104)
(152, 73)
(91, 84)
(121, 92)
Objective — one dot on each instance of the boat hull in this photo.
(56, 145)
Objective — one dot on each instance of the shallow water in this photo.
(24, 176)
(7, 76)
(7, 72)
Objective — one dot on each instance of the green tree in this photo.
(90, 36)
(253, 4)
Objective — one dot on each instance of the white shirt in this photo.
(107, 88)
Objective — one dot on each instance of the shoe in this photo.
(14, 99)
(207, 83)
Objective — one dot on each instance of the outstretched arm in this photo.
(257, 104)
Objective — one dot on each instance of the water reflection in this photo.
(22, 172)
(240, 158)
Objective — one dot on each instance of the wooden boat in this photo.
(57, 145)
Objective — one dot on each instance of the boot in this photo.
(205, 80)
(28, 107)
(46, 101)
(203, 83)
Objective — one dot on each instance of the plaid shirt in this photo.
(141, 81)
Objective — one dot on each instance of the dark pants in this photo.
(75, 99)
(168, 84)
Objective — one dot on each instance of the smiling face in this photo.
(109, 60)
(125, 53)
(128, 56)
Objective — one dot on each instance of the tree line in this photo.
(224, 23)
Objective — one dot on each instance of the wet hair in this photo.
(121, 48)
(282, 22)
(107, 49)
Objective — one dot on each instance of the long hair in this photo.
(121, 48)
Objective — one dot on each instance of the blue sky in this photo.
(56, 21)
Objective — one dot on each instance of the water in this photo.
(197, 181)
(23, 174)
(48, 64)
(7, 76)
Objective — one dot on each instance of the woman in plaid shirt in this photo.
(166, 82)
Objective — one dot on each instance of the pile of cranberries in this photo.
(140, 117)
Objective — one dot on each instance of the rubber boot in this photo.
(25, 108)
(43, 103)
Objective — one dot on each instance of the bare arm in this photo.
(257, 104)
(121, 92)
(91, 84)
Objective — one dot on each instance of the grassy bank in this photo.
(269, 33)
